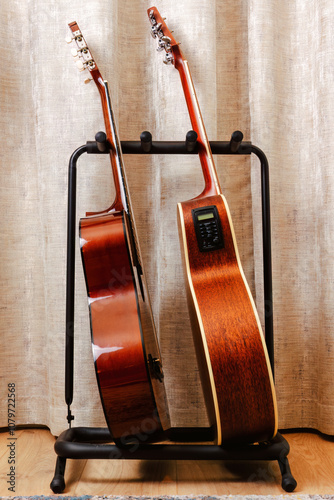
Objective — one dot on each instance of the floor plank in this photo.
(311, 460)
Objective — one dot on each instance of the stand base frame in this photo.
(95, 443)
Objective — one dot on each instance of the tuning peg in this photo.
(155, 30)
(161, 45)
(166, 40)
(151, 14)
(169, 59)
(80, 65)
(164, 43)
(74, 52)
(88, 80)
(68, 39)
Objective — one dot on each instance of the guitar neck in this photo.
(121, 199)
(167, 42)
(212, 186)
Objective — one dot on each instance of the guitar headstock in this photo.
(81, 52)
(159, 30)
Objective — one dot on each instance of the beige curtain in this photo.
(265, 68)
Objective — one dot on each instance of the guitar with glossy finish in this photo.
(231, 351)
(125, 349)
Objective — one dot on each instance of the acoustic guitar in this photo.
(231, 351)
(125, 348)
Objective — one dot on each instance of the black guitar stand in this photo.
(90, 442)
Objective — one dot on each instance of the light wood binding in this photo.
(126, 353)
(231, 351)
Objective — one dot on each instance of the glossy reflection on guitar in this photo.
(231, 351)
(125, 349)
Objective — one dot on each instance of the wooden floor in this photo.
(311, 460)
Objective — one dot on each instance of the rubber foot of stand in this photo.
(288, 483)
(58, 484)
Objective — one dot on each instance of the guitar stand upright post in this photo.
(90, 442)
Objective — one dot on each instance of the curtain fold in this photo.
(291, 46)
(263, 68)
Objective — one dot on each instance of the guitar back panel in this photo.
(232, 355)
(117, 337)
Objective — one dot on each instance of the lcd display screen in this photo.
(205, 216)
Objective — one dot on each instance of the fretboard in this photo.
(212, 186)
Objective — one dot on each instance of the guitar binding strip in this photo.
(94, 443)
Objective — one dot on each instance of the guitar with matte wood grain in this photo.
(125, 349)
(231, 351)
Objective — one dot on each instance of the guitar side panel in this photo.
(150, 340)
(235, 369)
(118, 350)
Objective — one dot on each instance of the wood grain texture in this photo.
(311, 460)
(231, 352)
(117, 337)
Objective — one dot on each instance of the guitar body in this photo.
(123, 334)
(231, 351)
(232, 357)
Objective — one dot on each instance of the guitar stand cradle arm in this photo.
(92, 442)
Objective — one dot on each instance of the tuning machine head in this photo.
(165, 38)
(164, 44)
(152, 18)
(156, 30)
(81, 52)
(169, 58)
